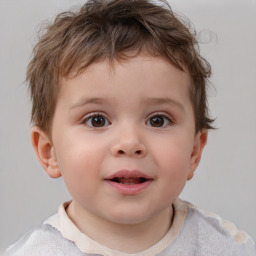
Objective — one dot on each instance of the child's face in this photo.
(124, 138)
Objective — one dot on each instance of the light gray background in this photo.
(225, 181)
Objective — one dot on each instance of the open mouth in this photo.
(129, 181)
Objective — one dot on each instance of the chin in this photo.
(129, 217)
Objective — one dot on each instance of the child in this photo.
(119, 110)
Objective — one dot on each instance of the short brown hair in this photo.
(110, 29)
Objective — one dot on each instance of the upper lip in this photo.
(129, 174)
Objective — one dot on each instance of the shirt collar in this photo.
(69, 231)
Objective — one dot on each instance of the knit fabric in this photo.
(193, 233)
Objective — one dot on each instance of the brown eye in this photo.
(97, 121)
(159, 121)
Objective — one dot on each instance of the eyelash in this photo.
(165, 118)
(91, 116)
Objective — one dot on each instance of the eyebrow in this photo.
(84, 101)
(148, 101)
(162, 101)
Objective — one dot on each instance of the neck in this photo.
(128, 238)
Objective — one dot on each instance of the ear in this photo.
(199, 143)
(45, 152)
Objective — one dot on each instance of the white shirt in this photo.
(193, 233)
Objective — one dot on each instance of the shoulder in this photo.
(44, 240)
(214, 234)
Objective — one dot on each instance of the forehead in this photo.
(142, 62)
(151, 75)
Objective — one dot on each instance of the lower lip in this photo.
(126, 189)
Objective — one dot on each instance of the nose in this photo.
(130, 144)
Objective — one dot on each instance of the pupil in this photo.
(157, 121)
(98, 121)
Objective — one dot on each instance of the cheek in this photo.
(173, 154)
(78, 154)
(174, 166)
(79, 164)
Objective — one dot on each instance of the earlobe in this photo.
(199, 143)
(45, 152)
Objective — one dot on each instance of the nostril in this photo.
(135, 151)
(120, 152)
(138, 152)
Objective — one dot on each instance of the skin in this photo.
(146, 124)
